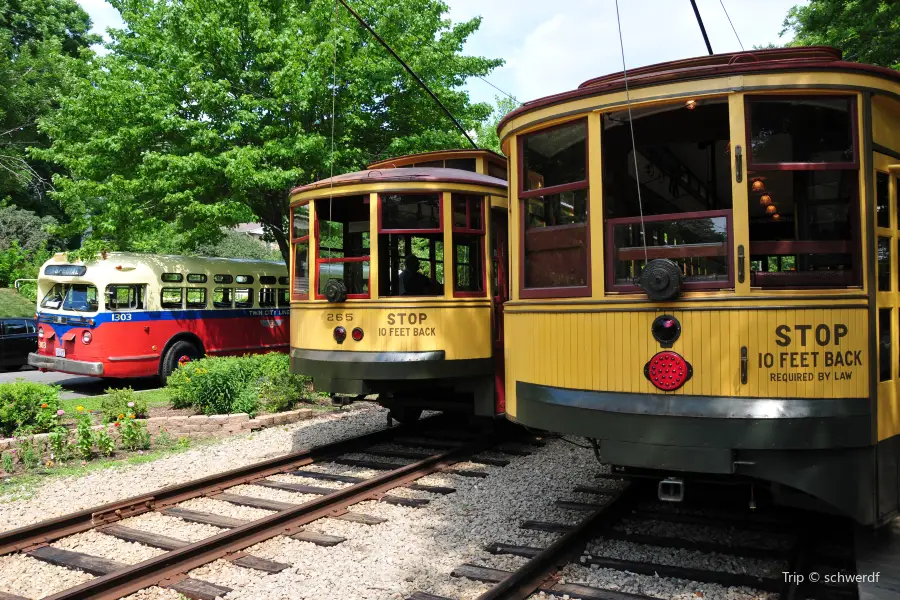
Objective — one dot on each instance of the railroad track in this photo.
(443, 448)
(813, 543)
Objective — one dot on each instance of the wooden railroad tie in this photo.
(486, 575)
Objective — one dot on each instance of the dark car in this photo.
(18, 337)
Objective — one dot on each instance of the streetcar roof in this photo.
(406, 175)
(409, 159)
(809, 58)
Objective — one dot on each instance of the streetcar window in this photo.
(554, 201)
(497, 170)
(196, 297)
(882, 202)
(243, 279)
(284, 280)
(343, 244)
(223, 278)
(464, 164)
(172, 277)
(300, 243)
(676, 204)
(803, 187)
(125, 297)
(411, 265)
(77, 297)
(243, 298)
(411, 212)
(800, 130)
(267, 298)
(884, 264)
(268, 279)
(884, 344)
(468, 244)
(171, 297)
(223, 298)
(300, 222)
(284, 298)
(196, 278)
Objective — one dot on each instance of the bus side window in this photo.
(243, 298)
(222, 298)
(171, 297)
(267, 297)
(196, 298)
(284, 297)
(125, 297)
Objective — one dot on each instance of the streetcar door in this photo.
(499, 295)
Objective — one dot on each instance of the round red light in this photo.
(357, 333)
(668, 370)
(340, 334)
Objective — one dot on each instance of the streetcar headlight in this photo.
(357, 334)
(86, 337)
(340, 334)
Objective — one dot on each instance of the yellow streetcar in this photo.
(704, 274)
(405, 294)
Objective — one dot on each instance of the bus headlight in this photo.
(41, 332)
(86, 337)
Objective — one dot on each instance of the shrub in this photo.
(8, 462)
(134, 434)
(25, 404)
(221, 385)
(59, 444)
(120, 402)
(29, 452)
(105, 443)
(84, 437)
(164, 440)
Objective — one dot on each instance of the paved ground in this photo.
(78, 386)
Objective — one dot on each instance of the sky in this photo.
(552, 46)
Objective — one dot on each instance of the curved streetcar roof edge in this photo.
(424, 156)
(405, 175)
(808, 58)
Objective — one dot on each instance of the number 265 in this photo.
(340, 317)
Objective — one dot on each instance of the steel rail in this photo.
(173, 565)
(534, 575)
(47, 531)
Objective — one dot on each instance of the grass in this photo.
(14, 304)
(158, 397)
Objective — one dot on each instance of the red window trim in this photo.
(440, 228)
(473, 232)
(802, 166)
(294, 242)
(352, 259)
(612, 286)
(564, 187)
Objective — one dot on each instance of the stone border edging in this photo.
(190, 426)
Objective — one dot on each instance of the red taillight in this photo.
(86, 337)
(340, 334)
(41, 332)
(357, 333)
(668, 371)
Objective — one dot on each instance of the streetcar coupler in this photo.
(670, 489)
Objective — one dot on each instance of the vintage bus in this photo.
(139, 315)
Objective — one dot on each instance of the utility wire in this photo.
(410, 71)
(722, 2)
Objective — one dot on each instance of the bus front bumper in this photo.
(65, 365)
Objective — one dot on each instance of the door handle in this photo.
(739, 163)
(745, 363)
(741, 265)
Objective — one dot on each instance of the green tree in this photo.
(206, 112)
(486, 132)
(44, 45)
(865, 30)
(235, 244)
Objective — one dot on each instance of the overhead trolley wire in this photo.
(410, 71)
(722, 2)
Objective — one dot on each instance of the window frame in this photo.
(578, 291)
(265, 291)
(141, 292)
(802, 166)
(250, 296)
(222, 305)
(188, 305)
(300, 240)
(319, 260)
(610, 259)
(468, 231)
(806, 280)
(163, 290)
(440, 228)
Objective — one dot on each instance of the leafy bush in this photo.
(28, 405)
(221, 385)
(121, 402)
(84, 437)
(8, 462)
(134, 434)
(59, 444)
(105, 443)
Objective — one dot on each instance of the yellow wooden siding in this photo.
(462, 331)
(607, 351)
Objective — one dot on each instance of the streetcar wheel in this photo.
(405, 414)
(178, 353)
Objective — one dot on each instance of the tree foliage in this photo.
(486, 132)
(43, 49)
(865, 30)
(205, 112)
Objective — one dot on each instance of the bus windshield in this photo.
(77, 297)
